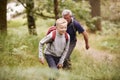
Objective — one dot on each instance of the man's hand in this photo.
(87, 46)
(41, 60)
(59, 66)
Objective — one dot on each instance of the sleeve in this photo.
(79, 27)
(65, 51)
(46, 39)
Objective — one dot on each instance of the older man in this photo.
(73, 27)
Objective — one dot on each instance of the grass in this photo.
(87, 68)
(108, 39)
(19, 57)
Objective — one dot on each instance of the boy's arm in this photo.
(65, 52)
(46, 39)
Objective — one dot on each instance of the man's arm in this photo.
(85, 35)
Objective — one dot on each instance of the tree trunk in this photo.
(30, 17)
(96, 12)
(56, 9)
(3, 18)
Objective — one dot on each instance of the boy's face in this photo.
(62, 29)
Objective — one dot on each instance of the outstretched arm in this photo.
(46, 39)
(85, 35)
(41, 58)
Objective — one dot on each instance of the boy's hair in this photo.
(61, 22)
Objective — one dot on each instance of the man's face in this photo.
(62, 29)
(67, 17)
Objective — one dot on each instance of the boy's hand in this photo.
(59, 66)
(41, 60)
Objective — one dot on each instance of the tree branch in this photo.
(22, 4)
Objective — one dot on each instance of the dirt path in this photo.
(96, 54)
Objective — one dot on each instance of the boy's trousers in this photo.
(52, 61)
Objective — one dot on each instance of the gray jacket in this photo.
(58, 48)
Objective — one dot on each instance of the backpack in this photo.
(53, 30)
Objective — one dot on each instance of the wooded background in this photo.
(89, 11)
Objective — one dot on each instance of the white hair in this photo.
(65, 12)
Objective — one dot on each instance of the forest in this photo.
(23, 23)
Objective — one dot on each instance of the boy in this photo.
(56, 50)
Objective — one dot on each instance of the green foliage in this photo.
(112, 39)
(81, 11)
(44, 8)
(16, 23)
(19, 48)
(16, 51)
(90, 24)
(111, 44)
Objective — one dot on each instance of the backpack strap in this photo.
(74, 27)
(51, 29)
(53, 35)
